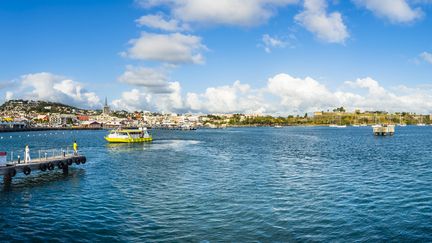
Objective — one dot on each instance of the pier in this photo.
(33, 129)
(384, 130)
(60, 159)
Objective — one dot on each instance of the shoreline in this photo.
(34, 129)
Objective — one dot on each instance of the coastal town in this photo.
(29, 114)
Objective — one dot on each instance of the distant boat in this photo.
(421, 124)
(363, 125)
(376, 125)
(337, 126)
(401, 124)
(277, 126)
(356, 124)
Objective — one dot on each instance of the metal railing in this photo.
(17, 157)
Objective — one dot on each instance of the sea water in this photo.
(239, 184)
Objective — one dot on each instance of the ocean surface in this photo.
(292, 184)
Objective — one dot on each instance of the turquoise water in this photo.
(237, 185)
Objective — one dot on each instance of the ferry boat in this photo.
(129, 136)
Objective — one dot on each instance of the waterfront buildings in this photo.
(21, 113)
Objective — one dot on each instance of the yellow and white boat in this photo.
(129, 136)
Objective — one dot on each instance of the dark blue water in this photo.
(237, 185)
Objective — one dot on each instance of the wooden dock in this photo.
(384, 130)
(42, 164)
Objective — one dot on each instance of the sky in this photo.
(273, 57)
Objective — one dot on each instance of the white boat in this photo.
(337, 126)
(376, 125)
(421, 124)
(401, 124)
(129, 136)
(277, 126)
(356, 125)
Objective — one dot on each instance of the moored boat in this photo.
(337, 126)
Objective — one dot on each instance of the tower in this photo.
(106, 108)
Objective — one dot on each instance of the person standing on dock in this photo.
(27, 154)
(75, 148)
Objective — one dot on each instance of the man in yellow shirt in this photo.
(75, 148)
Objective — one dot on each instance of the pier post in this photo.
(65, 169)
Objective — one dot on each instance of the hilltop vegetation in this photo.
(41, 107)
(321, 118)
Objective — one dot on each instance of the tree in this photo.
(340, 109)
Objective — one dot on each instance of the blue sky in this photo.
(259, 56)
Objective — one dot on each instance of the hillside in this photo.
(39, 107)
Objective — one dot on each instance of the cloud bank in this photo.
(397, 11)
(427, 57)
(51, 87)
(176, 48)
(328, 27)
(224, 12)
(282, 94)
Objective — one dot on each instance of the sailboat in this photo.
(338, 125)
(400, 122)
(421, 124)
(355, 122)
(376, 124)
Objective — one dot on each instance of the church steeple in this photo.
(106, 108)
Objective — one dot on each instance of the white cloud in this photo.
(272, 42)
(328, 27)
(153, 79)
(9, 95)
(300, 95)
(50, 87)
(379, 98)
(282, 95)
(398, 11)
(368, 83)
(153, 91)
(131, 101)
(157, 21)
(427, 57)
(173, 48)
(236, 98)
(226, 12)
(145, 99)
(306, 95)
